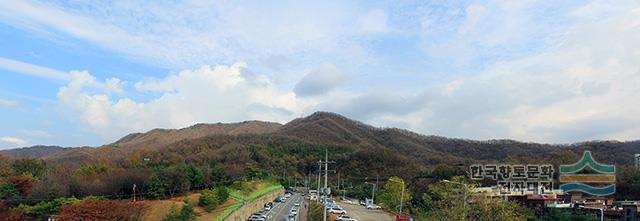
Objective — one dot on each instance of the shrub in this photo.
(210, 199)
(185, 214)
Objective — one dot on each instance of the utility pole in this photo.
(326, 173)
(319, 171)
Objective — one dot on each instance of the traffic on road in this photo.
(283, 208)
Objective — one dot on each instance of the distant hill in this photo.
(158, 138)
(391, 147)
(36, 151)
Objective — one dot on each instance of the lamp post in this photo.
(464, 204)
(401, 194)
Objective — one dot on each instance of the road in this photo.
(281, 211)
(363, 214)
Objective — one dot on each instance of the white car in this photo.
(296, 204)
(348, 202)
(373, 206)
(294, 211)
(345, 218)
(338, 210)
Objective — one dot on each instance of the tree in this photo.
(9, 194)
(23, 184)
(194, 175)
(29, 166)
(156, 187)
(219, 177)
(392, 194)
(456, 201)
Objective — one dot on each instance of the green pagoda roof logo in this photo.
(588, 176)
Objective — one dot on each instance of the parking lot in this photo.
(363, 214)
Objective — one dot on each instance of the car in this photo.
(282, 199)
(294, 211)
(337, 210)
(297, 203)
(345, 218)
(348, 201)
(373, 206)
(256, 218)
(267, 208)
(259, 215)
(403, 218)
(291, 217)
(363, 203)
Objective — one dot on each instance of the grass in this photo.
(243, 197)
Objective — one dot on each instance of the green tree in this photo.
(9, 194)
(219, 177)
(156, 187)
(392, 194)
(194, 175)
(29, 166)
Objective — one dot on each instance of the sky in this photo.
(78, 73)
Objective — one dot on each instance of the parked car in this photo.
(259, 215)
(363, 203)
(403, 218)
(373, 206)
(294, 211)
(256, 218)
(291, 217)
(347, 201)
(337, 210)
(345, 218)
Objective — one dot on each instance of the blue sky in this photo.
(77, 73)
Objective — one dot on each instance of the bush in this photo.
(185, 214)
(42, 210)
(210, 199)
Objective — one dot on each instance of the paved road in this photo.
(363, 214)
(280, 211)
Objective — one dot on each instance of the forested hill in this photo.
(222, 141)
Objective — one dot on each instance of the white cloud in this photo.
(31, 69)
(211, 33)
(584, 89)
(8, 103)
(14, 141)
(320, 81)
(218, 94)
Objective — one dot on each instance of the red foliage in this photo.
(6, 214)
(98, 210)
(23, 184)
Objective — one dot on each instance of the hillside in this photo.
(158, 138)
(223, 141)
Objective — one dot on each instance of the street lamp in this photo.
(401, 194)
(464, 204)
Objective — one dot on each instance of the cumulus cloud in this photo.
(207, 94)
(585, 89)
(320, 81)
(13, 141)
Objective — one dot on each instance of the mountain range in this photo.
(324, 128)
